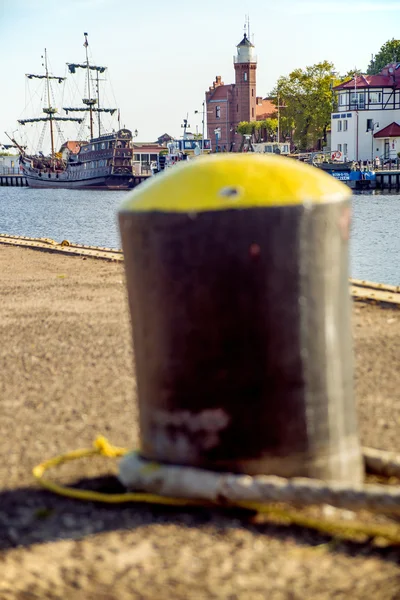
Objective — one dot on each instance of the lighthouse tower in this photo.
(228, 105)
(245, 63)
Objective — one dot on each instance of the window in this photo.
(375, 97)
(345, 125)
(345, 149)
(252, 92)
(339, 147)
(339, 125)
(217, 112)
(342, 99)
(252, 113)
(245, 76)
(357, 100)
(370, 123)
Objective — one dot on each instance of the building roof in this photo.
(222, 92)
(147, 147)
(165, 137)
(245, 42)
(392, 130)
(265, 110)
(388, 77)
(367, 81)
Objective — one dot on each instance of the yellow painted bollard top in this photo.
(235, 181)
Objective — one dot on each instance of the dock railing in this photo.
(9, 171)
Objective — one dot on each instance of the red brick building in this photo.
(228, 105)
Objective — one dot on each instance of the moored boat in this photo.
(104, 161)
(350, 173)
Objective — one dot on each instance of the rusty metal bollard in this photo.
(237, 275)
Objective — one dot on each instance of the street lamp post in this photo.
(196, 112)
(278, 133)
(356, 104)
(372, 128)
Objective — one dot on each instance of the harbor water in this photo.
(90, 217)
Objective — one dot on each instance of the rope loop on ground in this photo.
(257, 493)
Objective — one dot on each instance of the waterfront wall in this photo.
(12, 180)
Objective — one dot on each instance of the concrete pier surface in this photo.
(66, 376)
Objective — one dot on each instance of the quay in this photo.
(66, 377)
(385, 180)
(12, 180)
(363, 291)
(19, 180)
(388, 180)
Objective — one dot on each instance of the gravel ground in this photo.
(66, 376)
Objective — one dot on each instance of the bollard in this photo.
(237, 276)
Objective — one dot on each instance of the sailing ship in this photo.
(103, 162)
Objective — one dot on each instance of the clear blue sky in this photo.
(163, 54)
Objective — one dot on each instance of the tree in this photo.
(350, 75)
(389, 53)
(257, 130)
(307, 97)
(245, 128)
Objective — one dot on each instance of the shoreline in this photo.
(361, 290)
(67, 377)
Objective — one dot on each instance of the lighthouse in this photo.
(228, 105)
(245, 63)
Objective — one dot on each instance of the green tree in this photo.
(389, 53)
(245, 128)
(350, 74)
(308, 99)
(252, 128)
(271, 128)
(256, 128)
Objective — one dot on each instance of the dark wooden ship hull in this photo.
(78, 178)
(96, 182)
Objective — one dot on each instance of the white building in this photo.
(366, 124)
(9, 164)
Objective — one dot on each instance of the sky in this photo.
(163, 54)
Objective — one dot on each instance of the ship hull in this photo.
(104, 163)
(66, 181)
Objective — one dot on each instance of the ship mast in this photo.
(98, 102)
(50, 111)
(89, 101)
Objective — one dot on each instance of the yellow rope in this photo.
(103, 448)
